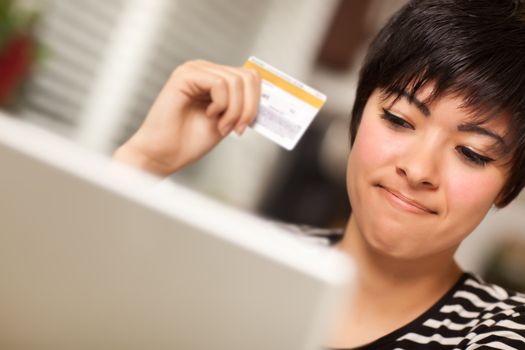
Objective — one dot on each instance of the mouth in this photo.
(406, 203)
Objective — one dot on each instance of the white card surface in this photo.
(287, 106)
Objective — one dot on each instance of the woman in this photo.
(438, 138)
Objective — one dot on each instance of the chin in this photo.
(392, 241)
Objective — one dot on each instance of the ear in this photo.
(498, 202)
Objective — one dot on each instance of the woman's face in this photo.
(421, 178)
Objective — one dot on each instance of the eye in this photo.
(395, 121)
(473, 157)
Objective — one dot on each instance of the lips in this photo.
(407, 202)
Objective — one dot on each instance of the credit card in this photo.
(287, 106)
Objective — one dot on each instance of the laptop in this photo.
(95, 255)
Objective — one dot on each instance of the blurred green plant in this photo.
(18, 46)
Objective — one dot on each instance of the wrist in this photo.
(129, 155)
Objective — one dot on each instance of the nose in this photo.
(419, 165)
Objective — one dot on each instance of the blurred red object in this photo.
(16, 58)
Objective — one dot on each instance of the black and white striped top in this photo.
(472, 315)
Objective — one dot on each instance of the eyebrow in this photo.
(467, 127)
(414, 100)
(482, 131)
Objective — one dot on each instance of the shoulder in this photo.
(472, 315)
(500, 314)
(322, 236)
(489, 298)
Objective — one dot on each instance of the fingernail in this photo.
(240, 129)
(226, 129)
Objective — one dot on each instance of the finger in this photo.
(235, 82)
(252, 96)
(219, 100)
(197, 83)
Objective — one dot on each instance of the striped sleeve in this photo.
(505, 331)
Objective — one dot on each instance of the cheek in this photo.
(472, 192)
(375, 144)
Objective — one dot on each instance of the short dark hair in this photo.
(469, 48)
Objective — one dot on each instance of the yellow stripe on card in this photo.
(286, 85)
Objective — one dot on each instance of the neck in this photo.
(388, 292)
